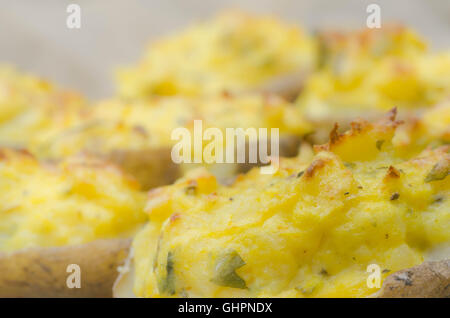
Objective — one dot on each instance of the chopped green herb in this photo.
(349, 165)
(191, 189)
(225, 270)
(167, 284)
(379, 144)
(300, 174)
(438, 199)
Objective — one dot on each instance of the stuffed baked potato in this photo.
(310, 230)
(79, 211)
(368, 72)
(30, 105)
(235, 52)
(137, 134)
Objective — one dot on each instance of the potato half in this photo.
(314, 228)
(79, 211)
(30, 105)
(137, 134)
(235, 52)
(365, 73)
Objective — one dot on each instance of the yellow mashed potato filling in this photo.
(234, 52)
(373, 71)
(437, 120)
(309, 230)
(54, 123)
(431, 128)
(29, 105)
(149, 123)
(76, 201)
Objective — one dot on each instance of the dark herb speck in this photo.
(394, 196)
(225, 270)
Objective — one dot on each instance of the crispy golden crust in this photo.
(41, 272)
(386, 123)
(430, 280)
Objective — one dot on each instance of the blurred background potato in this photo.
(34, 36)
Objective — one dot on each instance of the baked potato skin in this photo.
(41, 272)
(287, 86)
(150, 167)
(427, 280)
(154, 167)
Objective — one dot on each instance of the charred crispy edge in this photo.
(428, 280)
(41, 272)
(314, 166)
(392, 173)
(357, 127)
(346, 121)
